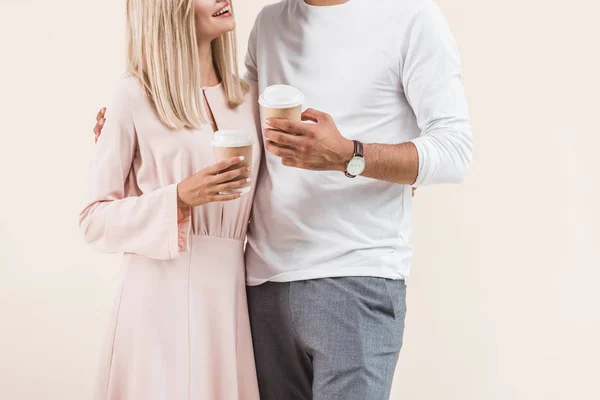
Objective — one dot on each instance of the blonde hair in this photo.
(162, 52)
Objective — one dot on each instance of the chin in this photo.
(222, 29)
(228, 26)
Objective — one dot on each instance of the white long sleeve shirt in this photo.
(387, 71)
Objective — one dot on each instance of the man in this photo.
(327, 254)
(328, 250)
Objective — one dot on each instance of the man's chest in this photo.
(338, 73)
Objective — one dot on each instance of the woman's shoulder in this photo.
(128, 99)
(129, 87)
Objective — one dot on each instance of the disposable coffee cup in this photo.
(232, 143)
(282, 101)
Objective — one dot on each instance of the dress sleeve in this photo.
(148, 224)
(432, 82)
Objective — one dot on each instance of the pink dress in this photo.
(180, 327)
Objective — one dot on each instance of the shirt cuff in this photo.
(428, 160)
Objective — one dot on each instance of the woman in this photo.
(180, 326)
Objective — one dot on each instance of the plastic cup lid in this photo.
(231, 138)
(281, 96)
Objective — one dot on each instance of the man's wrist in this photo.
(346, 153)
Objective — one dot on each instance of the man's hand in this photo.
(100, 120)
(321, 147)
(318, 147)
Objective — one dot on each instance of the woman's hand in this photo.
(206, 186)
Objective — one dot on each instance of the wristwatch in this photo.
(356, 165)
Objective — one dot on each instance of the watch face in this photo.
(356, 166)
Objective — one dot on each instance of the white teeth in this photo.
(223, 11)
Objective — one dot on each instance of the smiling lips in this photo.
(224, 11)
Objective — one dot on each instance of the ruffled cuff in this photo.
(184, 223)
(178, 223)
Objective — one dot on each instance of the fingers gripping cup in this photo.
(231, 143)
(282, 101)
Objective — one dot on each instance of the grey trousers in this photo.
(327, 339)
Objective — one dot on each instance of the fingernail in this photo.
(249, 180)
(101, 122)
(268, 121)
(242, 158)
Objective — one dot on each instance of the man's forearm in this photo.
(396, 163)
(321, 147)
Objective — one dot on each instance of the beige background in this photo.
(503, 301)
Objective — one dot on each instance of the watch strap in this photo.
(358, 149)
